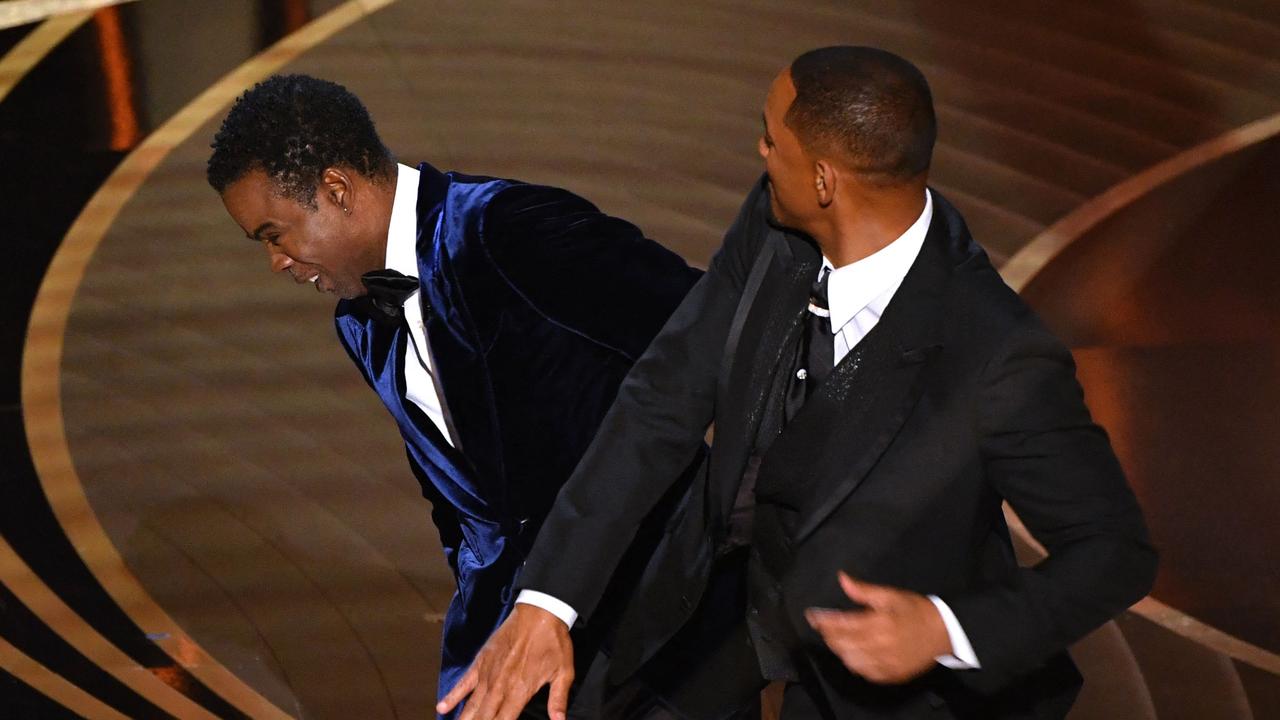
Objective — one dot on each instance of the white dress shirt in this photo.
(857, 295)
(402, 256)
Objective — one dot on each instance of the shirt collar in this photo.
(874, 278)
(402, 233)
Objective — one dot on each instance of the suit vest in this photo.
(773, 495)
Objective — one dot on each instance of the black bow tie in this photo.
(388, 290)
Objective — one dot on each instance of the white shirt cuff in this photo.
(560, 609)
(962, 656)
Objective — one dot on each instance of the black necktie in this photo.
(819, 340)
(388, 289)
(815, 353)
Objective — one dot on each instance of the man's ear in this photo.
(336, 187)
(824, 182)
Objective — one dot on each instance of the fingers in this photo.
(846, 622)
(484, 705)
(887, 641)
(530, 649)
(873, 596)
(558, 700)
(459, 692)
(511, 708)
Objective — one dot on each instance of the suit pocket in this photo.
(473, 544)
(468, 563)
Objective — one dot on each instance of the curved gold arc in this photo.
(21, 12)
(42, 357)
(47, 606)
(31, 49)
(1172, 619)
(52, 685)
(1044, 247)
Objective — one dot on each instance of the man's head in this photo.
(301, 169)
(856, 116)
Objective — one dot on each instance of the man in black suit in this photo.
(877, 393)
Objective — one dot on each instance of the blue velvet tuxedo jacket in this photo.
(536, 305)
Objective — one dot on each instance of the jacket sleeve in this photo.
(650, 435)
(592, 273)
(1055, 467)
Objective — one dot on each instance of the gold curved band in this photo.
(42, 359)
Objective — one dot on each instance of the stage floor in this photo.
(206, 512)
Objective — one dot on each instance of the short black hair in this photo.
(866, 107)
(293, 127)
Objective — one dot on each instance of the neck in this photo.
(379, 223)
(866, 220)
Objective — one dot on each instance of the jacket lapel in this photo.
(457, 356)
(767, 318)
(833, 442)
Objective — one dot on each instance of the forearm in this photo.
(651, 434)
(646, 442)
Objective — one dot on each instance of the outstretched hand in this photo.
(894, 638)
(530, 649)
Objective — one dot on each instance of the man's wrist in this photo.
(959, 654)
(553, 605)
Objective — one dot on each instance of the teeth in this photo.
(314, 278)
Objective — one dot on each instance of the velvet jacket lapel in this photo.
(457, 356)
(380, 349)
(834, 441)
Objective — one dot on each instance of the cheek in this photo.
(319, 242)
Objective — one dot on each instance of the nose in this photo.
(280, 261)
(762, 147)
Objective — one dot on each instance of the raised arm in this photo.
(647, 439)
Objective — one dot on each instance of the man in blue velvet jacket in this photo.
(495, 319)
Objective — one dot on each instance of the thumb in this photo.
(873, 596)
(558, 698)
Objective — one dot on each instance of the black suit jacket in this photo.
(962, 401)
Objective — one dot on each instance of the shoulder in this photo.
(747, 235)
(988, 322)
(540, 223)
(468, 198)
(524, 206)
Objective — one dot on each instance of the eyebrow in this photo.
(254, 236)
